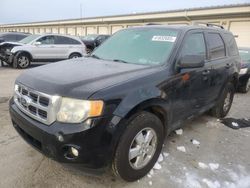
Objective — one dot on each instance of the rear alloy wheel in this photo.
(21, 61)
(225, 102)
(74, 55)
(139, 146)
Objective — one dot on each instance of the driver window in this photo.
(47, 40)
(194, 45)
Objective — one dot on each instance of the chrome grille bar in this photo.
(37, 105)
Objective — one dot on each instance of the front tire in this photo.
(75, 55)
(225, 102)
(139, 146)
(21, 61)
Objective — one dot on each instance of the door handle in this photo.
(205, 72)
(228, 65)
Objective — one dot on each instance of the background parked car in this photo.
(42, 48)
(244, 80)
(12, 36)
(93, 41)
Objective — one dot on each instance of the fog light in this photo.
(74, 151)
(60, 138)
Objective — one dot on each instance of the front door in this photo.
(194, 84)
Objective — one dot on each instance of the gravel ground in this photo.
(221, 159)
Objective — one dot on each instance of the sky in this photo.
(22, 11)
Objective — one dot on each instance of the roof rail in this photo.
(208, 24)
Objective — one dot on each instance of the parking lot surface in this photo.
(217, 157)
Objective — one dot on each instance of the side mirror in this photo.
(191, 61)
(37, 43)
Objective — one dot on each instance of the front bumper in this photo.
(94, 145)
(7, 57)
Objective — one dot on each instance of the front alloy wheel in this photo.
(139, 146)
(142, 148)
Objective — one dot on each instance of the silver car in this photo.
(44, 48)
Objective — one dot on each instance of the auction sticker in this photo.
(164, 38)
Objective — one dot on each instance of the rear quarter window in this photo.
(231, 43)
(216, 46)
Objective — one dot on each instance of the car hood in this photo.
(11, 43)
(80, 78)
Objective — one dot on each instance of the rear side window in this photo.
(65, 40)
(216, 46)
(232, 46)
(194, 45)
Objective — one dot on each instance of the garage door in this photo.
(116, 28)
(54, 30)
(91, 30)
(48, 30)
(71, 31)
(62, 30)
(79, 31)
(242, 30)
(103, 30)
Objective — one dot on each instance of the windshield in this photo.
(245, 55)
(29, 39)
(90, 37)
(145, 46)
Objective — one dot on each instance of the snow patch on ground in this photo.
(157, 166)
(160, 159)
(211, 184)
(202, 165)
(235, 124)
(181, 148)
(150, 183)
(179, 132)
(192, 181)
(213, 166)
(165, 154)
(195, 142)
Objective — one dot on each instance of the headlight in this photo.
(76, 111)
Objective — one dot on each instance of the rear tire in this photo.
(75, 55)
(246, 87)
(21, 61)
(131, 166)
(225, 102)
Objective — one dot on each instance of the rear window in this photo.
(232, 46)
(216, 46)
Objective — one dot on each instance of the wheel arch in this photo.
(24, 52)
(78, 53)
(154, 106)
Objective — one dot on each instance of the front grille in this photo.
(36, 105)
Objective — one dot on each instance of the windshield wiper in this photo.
(120, 60)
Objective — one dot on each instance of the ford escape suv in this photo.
(115, 107)
(41, 48)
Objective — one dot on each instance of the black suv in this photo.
(12, 36)
(117, 106)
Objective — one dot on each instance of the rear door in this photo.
(66, 45)
(220, 64)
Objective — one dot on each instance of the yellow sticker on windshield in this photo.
(164, 38)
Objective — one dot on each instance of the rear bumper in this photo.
(94, 145)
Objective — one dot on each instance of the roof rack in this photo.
(208, 24)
